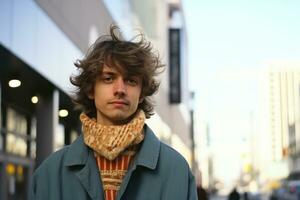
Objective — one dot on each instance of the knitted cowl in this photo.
(110, 141)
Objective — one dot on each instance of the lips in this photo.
(119, 102)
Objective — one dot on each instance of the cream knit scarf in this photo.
(110, 141)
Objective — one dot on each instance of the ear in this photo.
(91, 95)
(141, 99)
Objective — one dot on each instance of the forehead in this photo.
(107, 69)
(118, 70)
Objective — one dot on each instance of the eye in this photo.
(133, 81)
(107, 79)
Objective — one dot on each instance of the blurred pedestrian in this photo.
(245, 195)
(273, 197)
(202, 194)
(117, 154)
(234, 195)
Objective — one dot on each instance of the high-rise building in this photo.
(281, 116)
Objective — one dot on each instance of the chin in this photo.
(121, 119)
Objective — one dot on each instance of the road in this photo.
(216, 197)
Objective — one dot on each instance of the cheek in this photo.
(99, 96)
(139, 95)
(99, 91)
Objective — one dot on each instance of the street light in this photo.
(14, 83)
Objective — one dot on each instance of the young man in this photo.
(117, 156)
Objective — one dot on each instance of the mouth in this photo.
(119, 102)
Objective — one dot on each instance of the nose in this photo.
(120, 87)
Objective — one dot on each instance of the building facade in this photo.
(280, 93)
(39, 42)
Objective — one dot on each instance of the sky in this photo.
(228, 43)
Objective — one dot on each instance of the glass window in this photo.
(1, 141)
(16, 181)
(16, 133)
(59, 137)
(73, 136)
(33, 138)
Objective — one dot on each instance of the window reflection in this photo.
(59, 137)
(16, 181)
(16, 133)
(1, 142)
(73, 136)
(33, 138)
(16, 145)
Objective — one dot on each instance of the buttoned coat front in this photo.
(158, 172)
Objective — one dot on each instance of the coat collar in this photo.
(89, 176)
(78, 152)
(149, 151)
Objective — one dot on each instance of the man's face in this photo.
(116, 97)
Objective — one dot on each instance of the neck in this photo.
(106, 122)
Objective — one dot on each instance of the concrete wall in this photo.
(83, 21)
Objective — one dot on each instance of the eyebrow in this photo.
(114, 73)
(108, 72)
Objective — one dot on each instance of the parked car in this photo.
(292, 190)
(278, 194)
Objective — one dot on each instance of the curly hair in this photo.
(134, 57)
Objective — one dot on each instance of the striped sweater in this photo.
(113, 172)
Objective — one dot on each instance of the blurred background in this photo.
(229, 99)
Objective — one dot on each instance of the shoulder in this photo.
(167, 156)
(53, 161)
(48, 173)
(172, 168)
(73, 154)
(172, 157)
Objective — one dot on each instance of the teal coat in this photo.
(158, 172)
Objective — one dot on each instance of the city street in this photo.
(85, 85)
(217, 197)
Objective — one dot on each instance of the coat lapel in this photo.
(88, 174)
(146, 157)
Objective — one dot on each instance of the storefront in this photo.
(36, 119)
